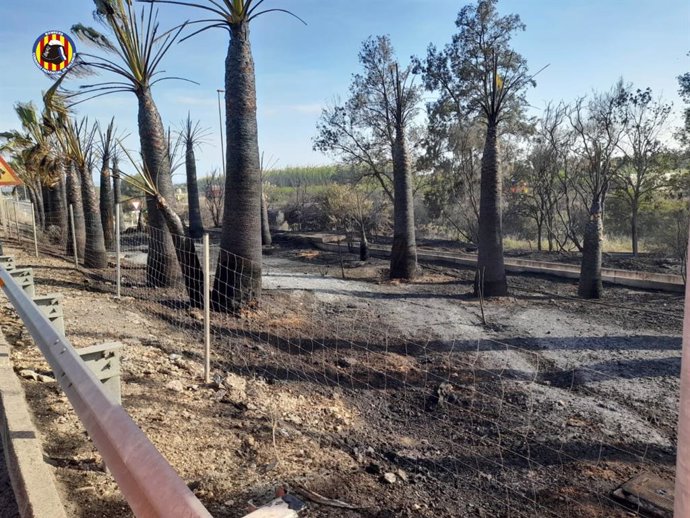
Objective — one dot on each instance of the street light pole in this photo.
(222, 141)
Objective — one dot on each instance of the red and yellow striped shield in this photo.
(54, 52)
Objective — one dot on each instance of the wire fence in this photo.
(454, 423)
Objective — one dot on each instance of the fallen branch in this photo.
(322, 500)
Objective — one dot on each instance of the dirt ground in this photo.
(392, 397)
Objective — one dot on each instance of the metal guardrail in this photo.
(150, 485)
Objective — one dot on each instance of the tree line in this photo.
(570, 159)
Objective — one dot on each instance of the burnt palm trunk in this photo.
(160, 263)
(56, 216)
(185, 251)
(490, 267)
(47, 199)
(73, 188)
(404, 251)
(590, 286)
(196, 225)
(238, 277)
(106, 204)
(95, 255)
(363, 244)
(266, 238)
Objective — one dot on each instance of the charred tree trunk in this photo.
(57, 214)
(266, 238)
(74, 199)
(634, 228)
(47, 200)
(160, 264)
(490, 261)
(590, 286)
(404, 251)
(363, 244)
(95, 255)
(238, 277)
(106, 204)
(187, 257)
(196, 225)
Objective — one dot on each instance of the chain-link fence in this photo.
(417, 402)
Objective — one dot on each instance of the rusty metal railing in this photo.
(150, 485)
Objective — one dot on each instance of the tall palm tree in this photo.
(133, 50)
(238, 276)
(106, 144)
(79, 136)
(192, 135)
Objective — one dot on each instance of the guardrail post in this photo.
(25, 278)
(33, 225)
(118, 280)
(147, 481)
(74, 236)
(51, 306)
(207, 309)
(7, 262)
(104, 361)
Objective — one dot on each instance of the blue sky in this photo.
(587, 44)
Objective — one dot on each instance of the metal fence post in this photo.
(118, 281)
(207, 309)
(33, 224)
(74, 236)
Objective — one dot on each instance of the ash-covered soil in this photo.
(395, 398)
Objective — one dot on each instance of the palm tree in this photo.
(185, 250)
(106, 191)
(36, 157)
(238, 276)
(79, 137)
(192, 135)
(133, 51)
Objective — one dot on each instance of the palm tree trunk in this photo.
(238, 277)
(196, 225)
(60, 208)
(74, 199)
(590, 286)
(95, 255)
(363, 244)
(266, 238)
(106, 204)
(160, 263)
(404, 251)
(490, 261)
(47, 200)
(57, 215)
(187, 257)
